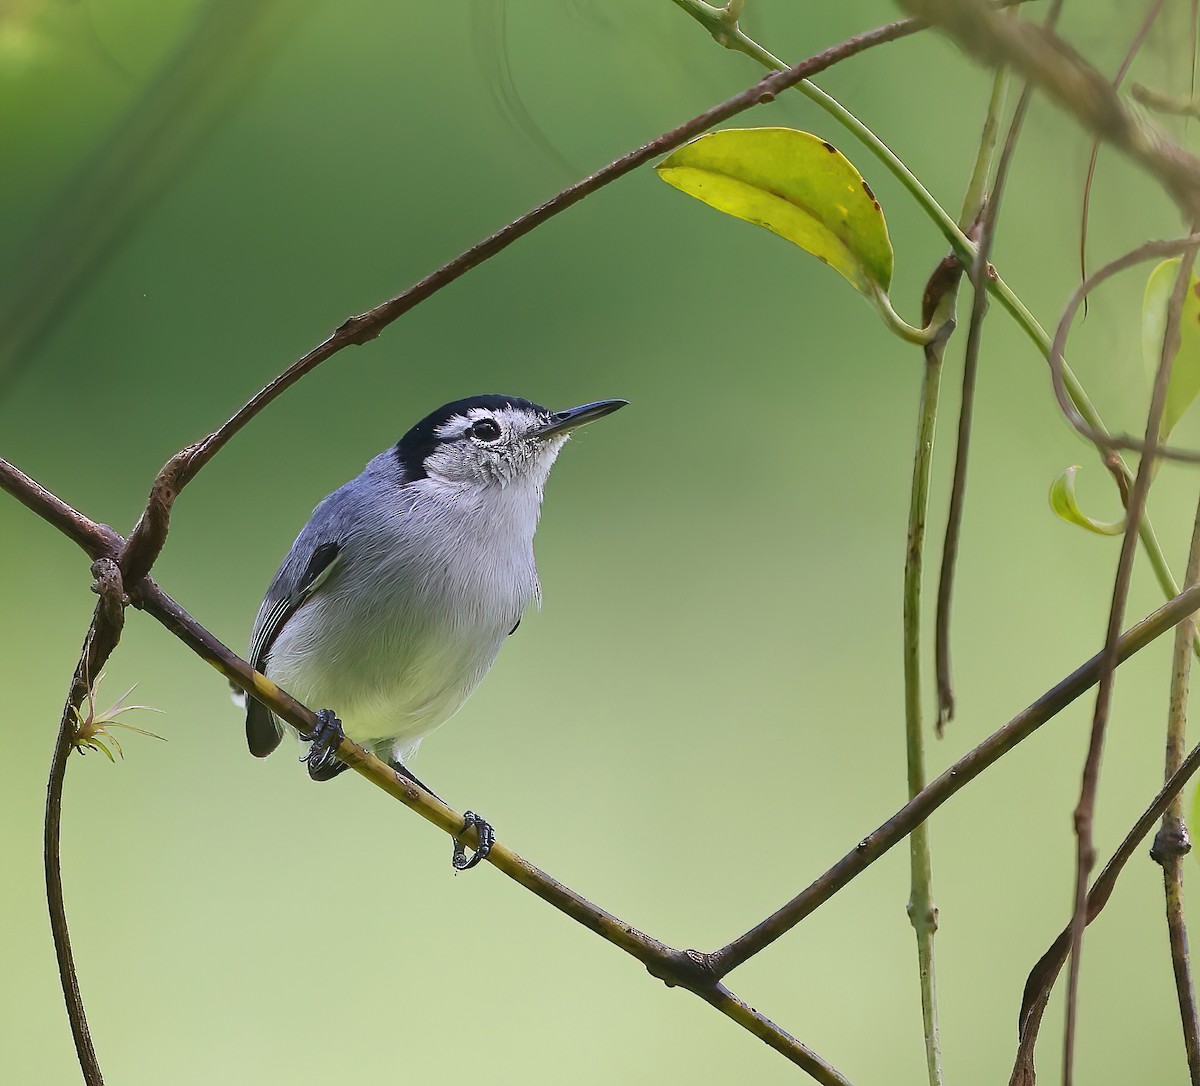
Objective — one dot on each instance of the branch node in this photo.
(1170, 843)
(925, 919)
(360, 329)
(110, 587)
(691, 969)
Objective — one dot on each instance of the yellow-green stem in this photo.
(921, 909)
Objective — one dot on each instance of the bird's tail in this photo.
(262, 732)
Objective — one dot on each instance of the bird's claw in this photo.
(325, 738)
(487, 838)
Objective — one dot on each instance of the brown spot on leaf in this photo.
(829, 147)
(870, 194)
(1196, 289)
(878, 208)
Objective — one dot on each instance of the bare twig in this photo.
(980, 271)
(148, 536)
(97, 540)
(1085, 853)
(1041, 979)
(770, 1034)
(1172, 843)
(102, 637)
(958, 487)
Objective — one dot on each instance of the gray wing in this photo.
(305, 569)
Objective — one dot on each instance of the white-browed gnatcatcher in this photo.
(396, 596)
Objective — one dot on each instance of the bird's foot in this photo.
(487, 838)
(322, 760)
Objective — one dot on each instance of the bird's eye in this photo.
(486, 430)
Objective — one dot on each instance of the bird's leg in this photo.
(323, 763)
(487, 836)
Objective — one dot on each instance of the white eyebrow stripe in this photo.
(456, 426)
(452, 427)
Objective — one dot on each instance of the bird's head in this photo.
(492, 440)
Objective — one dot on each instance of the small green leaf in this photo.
(1063, 501)
(1185, 368)
(797, 186)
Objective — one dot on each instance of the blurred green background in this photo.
(707, 712)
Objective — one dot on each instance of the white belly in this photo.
(402, 667)
(409, 622)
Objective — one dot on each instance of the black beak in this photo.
(562, 422)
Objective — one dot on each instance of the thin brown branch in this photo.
(102, 637)
(1041, 979)
(1172, 844)
(149, 534)
(770, 1034)
(98, 540)
(960, 774)
(1085, 852)
(958, 488)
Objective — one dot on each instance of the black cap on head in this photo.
(421, 440)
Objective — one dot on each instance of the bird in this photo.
(397, 595)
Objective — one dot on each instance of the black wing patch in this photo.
(320, 565)
(262, 732)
